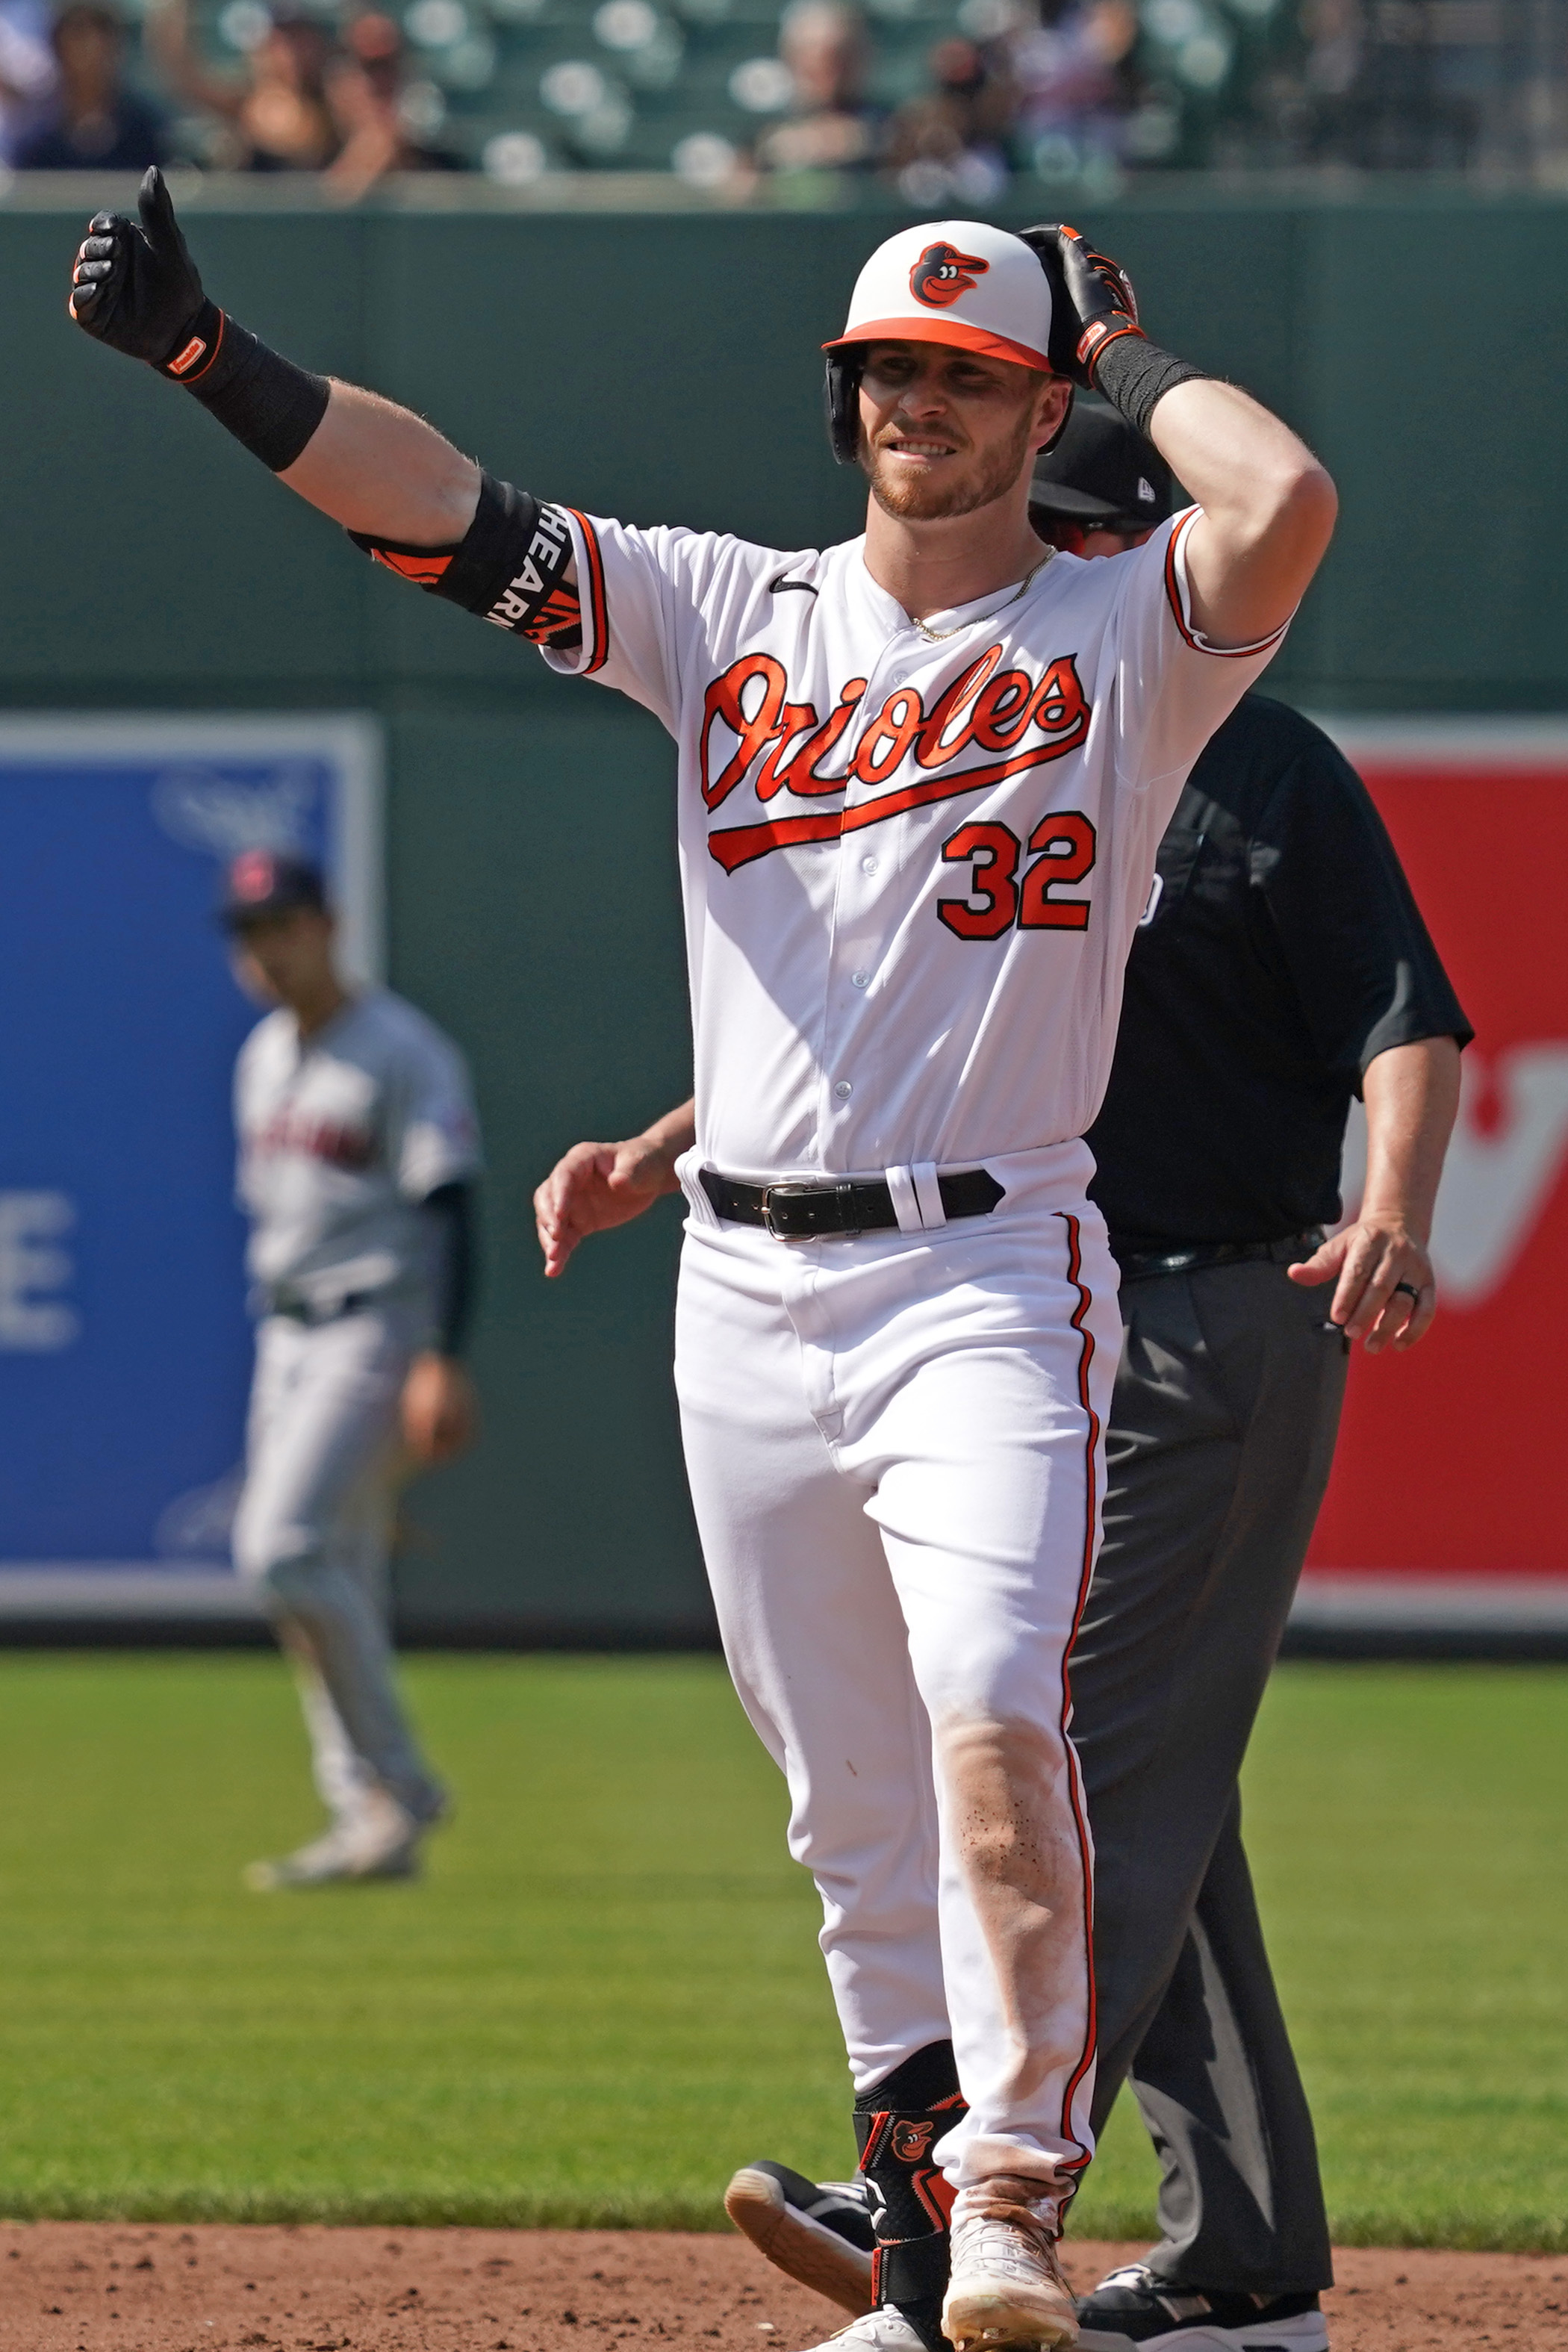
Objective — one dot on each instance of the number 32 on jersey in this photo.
(1062, 846)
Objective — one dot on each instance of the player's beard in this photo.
(930, 498)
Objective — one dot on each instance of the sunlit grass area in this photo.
(607, 1991)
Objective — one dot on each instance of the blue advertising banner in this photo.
(124, 1345)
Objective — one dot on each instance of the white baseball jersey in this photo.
(341, 1138)
(912, 869)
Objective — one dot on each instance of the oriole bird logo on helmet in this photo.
(942, 273)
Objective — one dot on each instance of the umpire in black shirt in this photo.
(1281, 967)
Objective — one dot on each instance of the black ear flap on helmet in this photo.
(841, 393)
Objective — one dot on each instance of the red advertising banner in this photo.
(1453, 1460)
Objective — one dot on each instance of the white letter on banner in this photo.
(29, 1264)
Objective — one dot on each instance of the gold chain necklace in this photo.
(938, 637)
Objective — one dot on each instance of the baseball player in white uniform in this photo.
(922, 778)
(358, 1150)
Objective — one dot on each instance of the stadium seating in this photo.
(519, 89)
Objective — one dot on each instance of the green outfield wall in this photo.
(663, 365)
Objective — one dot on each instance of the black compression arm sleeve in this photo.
(263, 399)
(448, 1219)
(1133, 373)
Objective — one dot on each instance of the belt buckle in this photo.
(801, 1193)
(784, 1192)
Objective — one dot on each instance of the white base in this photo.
(122, 1589)
(80, 1591)
(1366, 1604)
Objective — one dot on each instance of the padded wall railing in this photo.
(664, 365)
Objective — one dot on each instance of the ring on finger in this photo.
(1409, 1290)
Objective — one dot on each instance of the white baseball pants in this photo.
(895, 1445)
(313, 1531)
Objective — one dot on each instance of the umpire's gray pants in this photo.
(312, 1533)
(1222, 1433)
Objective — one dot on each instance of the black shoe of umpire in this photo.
(1133, 2310)
(817, 2231)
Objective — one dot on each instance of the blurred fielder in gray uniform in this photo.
(358, 1151)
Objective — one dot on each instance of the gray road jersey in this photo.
(340, 1140)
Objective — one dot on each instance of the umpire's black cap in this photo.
(262, 882)
(1101, 474)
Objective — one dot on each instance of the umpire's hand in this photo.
(596, 1186)
(1382, 1272)
(1384, 1291)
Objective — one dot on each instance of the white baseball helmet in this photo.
(959, 282)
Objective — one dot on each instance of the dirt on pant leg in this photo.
(1009, 1814)
(121, 2288)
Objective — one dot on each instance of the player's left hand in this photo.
(440, 1410)
(1092, 299)
(1365, 1262)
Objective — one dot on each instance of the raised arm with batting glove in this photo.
(137, 290)
(1266, 520)
(402, 493)
(1097, 342)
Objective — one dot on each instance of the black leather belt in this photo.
(299, 1311)
(1137, 1265)
(802, 1212)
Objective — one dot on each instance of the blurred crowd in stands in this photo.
(946, 102)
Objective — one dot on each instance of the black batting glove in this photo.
(1095, 339)
(137, 289)
(1092, 301)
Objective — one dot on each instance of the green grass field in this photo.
(607, 1993)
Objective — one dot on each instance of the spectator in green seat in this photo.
(365, 87)
(274, 114)
(953, 141)
(832, 127)
(93, 123)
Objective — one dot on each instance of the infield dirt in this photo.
(69, 2286)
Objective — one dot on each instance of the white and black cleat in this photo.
(1133, 2310)
(380, 1840)
(818, 2232)
(883, 2330)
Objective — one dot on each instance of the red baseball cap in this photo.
(261, 882)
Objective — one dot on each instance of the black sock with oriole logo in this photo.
(897, 2124)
